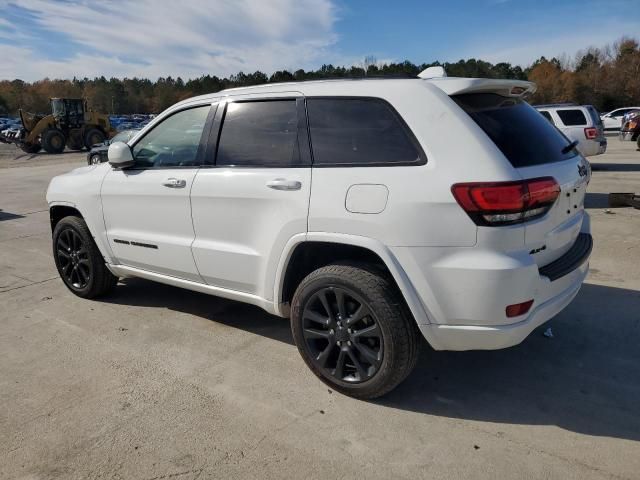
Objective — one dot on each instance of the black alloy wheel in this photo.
(73, 259)
(342, 335)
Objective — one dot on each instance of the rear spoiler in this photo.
(458, 85)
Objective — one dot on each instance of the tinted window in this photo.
(595, 116)
(358, 131)
(523, 136)
(174, 142)
(260, 134)
(572, 117)
(546, 115)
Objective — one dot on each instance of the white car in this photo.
(613, 119)
(579, 123)
(370, 212)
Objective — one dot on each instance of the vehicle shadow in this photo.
(585, 379)
(615, 167)
(9, 216)
(144, 293)
(596, 200)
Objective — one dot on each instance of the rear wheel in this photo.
(79, 261)
(94, 159)
(93, 136)
(353, 331)
(53, 141)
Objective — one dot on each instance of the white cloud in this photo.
(532, 46)
(149, 38)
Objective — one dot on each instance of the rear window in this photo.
(572, 117)
(595, 116)
(518, 130)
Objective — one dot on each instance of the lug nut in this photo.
(349, 343)
(331, 332)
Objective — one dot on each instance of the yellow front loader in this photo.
(70, 124)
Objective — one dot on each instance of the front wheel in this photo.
(79, 261)
(353, 330)
(94, 159)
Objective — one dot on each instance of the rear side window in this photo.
(262, 133)
(572, 117)
(522, 135)
(359, 131)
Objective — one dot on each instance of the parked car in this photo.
(579, 123)
(369, 212)
(98, 152)
(631, 127)
(613, 120)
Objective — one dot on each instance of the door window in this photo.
(260, 134)
(174, 142)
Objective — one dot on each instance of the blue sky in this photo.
(151, 38)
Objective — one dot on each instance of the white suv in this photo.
(579, 123)
(369, 212)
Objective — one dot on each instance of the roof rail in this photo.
(547, 105)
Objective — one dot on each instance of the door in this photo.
(146, 208)
(252, 194)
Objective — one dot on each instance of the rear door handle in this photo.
(174, 183)
(284, 184)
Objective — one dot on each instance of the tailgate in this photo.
(552, 235)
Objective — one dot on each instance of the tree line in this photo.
(607, 78)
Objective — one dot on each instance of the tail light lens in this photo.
(590, 133)
(506, 203)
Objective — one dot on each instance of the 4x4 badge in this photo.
(582, 170)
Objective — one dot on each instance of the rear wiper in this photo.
(570, 147)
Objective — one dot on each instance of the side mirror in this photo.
(119, 155)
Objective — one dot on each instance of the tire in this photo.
(53, 141)
(375, 336)
(74, 144)
(638, 142)
(93, 136)
(95, 159)
(79, 261)
(31, 147)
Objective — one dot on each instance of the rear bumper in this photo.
(465, 294)
(476, 337)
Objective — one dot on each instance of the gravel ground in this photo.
(154, 382)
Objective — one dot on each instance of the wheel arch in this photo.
(58, 211)
(305, 253)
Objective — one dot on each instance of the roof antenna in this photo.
(432, 72)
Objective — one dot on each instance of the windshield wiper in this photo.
(570, 147)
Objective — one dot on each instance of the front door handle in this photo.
(174, 183)
(284, 184)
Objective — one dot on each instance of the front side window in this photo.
(572, 118)
(259, 134)
(358, 131)
(173, 142)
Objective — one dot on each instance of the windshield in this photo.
(122, 137)
(57, 107)
(524, 136)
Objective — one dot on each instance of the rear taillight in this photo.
(506, 203)
(590, 133)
